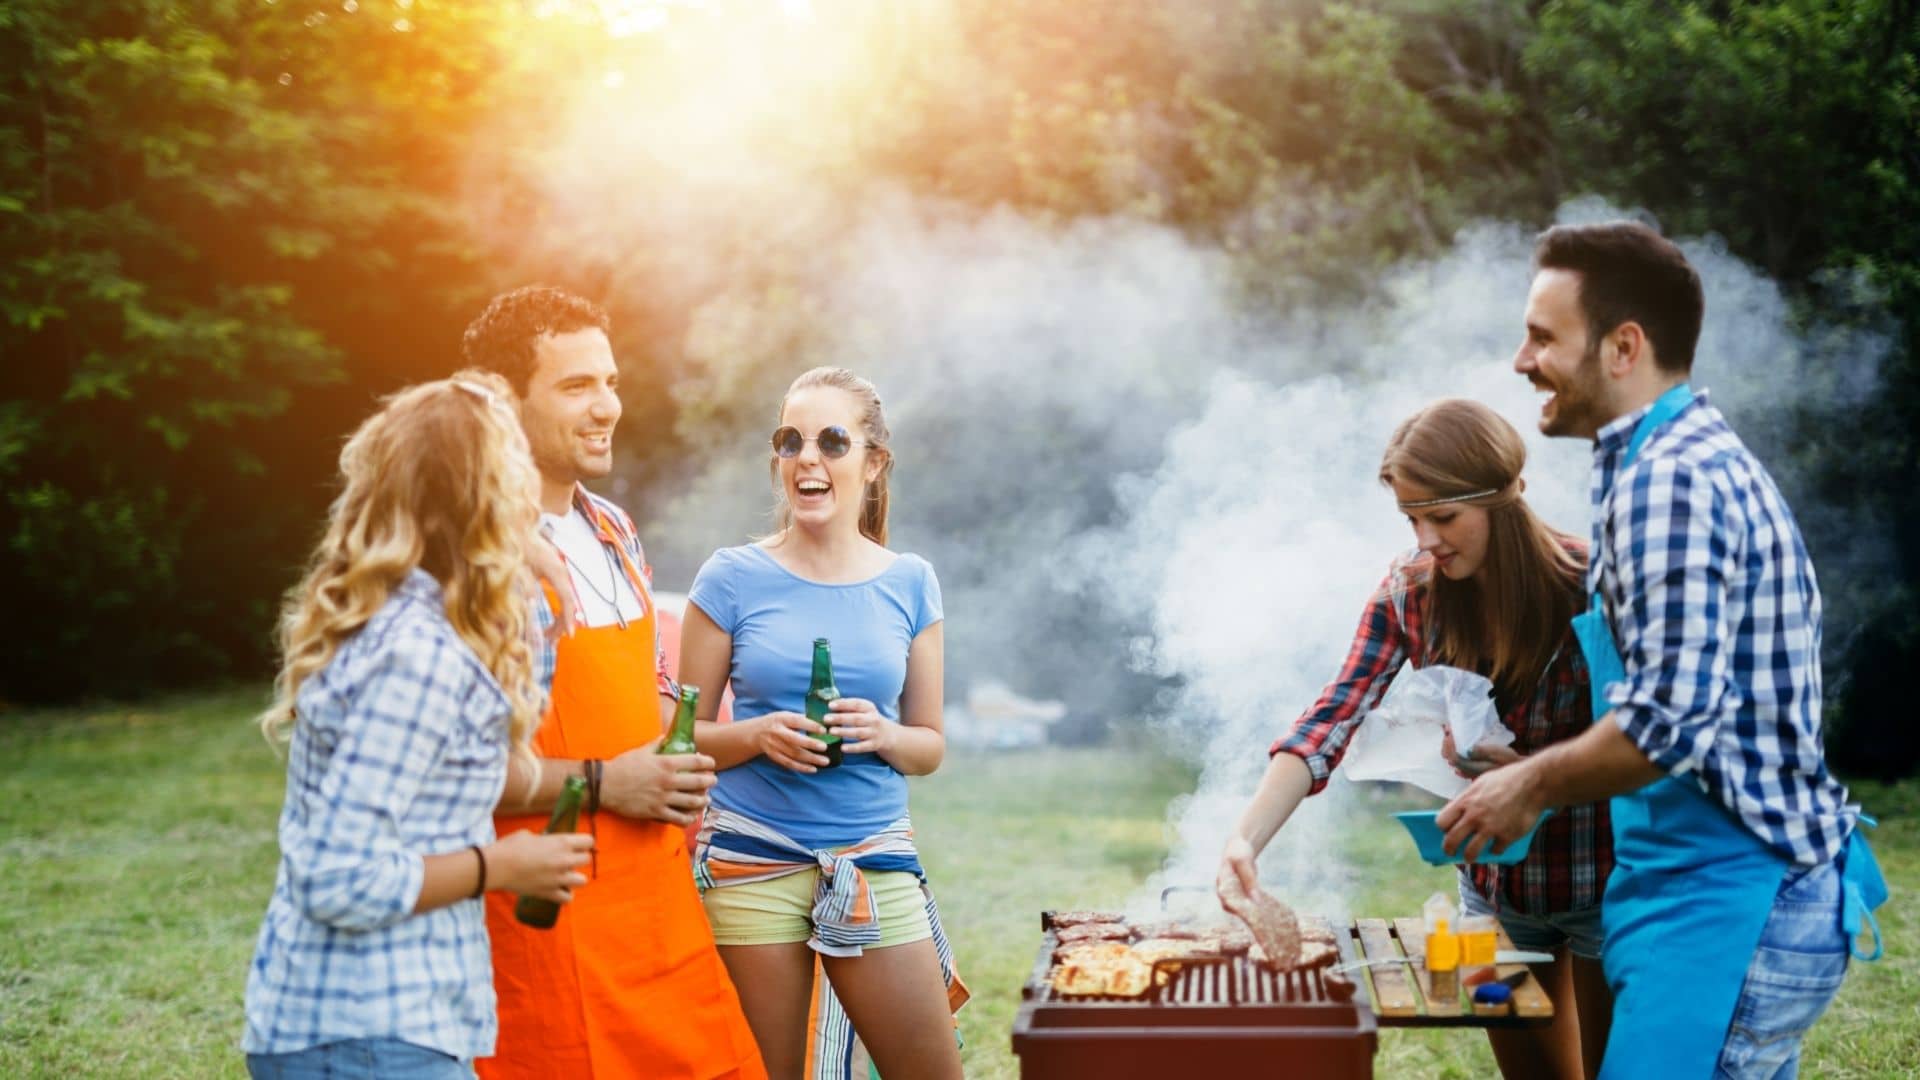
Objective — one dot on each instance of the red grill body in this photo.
(1223, 1018)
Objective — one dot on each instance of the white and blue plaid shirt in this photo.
(616, 530)
(400, 751)
(1713, 602)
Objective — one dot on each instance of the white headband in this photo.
(1450, 499)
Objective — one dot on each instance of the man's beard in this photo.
(560, 461)
(1577, 402)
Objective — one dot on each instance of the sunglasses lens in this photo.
(787, 442)
(835, 442)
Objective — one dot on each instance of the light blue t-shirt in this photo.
(773, 615)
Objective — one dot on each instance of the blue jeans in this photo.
(1801, 961)
(360, 1059)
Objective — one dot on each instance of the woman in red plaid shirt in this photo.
(1491, 588)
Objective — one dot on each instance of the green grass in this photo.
(137, 854)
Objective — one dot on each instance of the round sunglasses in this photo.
(834, 442)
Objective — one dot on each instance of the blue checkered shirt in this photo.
(400, 751)
(1715, 608)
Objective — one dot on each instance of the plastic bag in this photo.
(1400, 739)
(1471, 714)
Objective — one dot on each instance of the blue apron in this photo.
(1691, 888)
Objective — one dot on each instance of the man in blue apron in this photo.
(1739, 872)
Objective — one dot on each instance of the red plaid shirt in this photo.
(1567, 867)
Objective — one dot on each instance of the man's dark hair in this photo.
(504, 337)
(1629, 273)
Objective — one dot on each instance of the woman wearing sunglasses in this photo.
(1490, 588)
(797, 860)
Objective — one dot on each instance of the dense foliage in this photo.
(225, 225)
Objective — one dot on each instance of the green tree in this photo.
(1792, 129)
(174, 181)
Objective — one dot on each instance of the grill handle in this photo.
(1167, 893)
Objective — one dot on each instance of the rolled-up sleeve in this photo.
(1321, 735)
(1674, 560)
(349, 868)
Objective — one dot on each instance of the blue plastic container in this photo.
(1430, 838)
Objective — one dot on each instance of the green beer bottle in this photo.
(820, 694)
(532, 910)
(680, 739)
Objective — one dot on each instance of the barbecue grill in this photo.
(1227, 1016)
(1217, 1017)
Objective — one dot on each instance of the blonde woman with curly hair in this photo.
(407, 684)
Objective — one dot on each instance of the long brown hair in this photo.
(873, 429)
(440, 478)
(1507, 620)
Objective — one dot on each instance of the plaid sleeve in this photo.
(1676, 559)
(351, 870)
(1320, 736)
(546, 653)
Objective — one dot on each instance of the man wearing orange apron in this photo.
(627, 983)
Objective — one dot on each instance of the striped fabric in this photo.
(735, 850)
(1713, 600)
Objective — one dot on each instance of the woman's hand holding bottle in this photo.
(790, 741)
(859, 723)
(544, 866)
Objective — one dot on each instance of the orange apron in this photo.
(627, 983)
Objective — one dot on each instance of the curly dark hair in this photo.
(503, 338)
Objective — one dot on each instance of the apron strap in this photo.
(1862, 888)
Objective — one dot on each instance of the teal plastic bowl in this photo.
(1430, 839)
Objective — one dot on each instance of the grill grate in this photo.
(1223, 1016)
(1231, 980)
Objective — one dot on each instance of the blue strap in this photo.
(1862, 888)
(1591, 628)
(1665, 408)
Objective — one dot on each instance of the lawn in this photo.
(137, 853)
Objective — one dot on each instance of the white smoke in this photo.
(1144, 503)
(1141, 498)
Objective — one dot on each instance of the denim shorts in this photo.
(1578, 930)
(360, 1059)
(1799, 966)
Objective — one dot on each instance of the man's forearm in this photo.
(1599, 764)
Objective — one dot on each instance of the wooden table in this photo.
(1401, 992)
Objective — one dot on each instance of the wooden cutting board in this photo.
(1401, 992)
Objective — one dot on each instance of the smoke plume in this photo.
(1141, 498)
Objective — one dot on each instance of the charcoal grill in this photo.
(1225, 1017)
